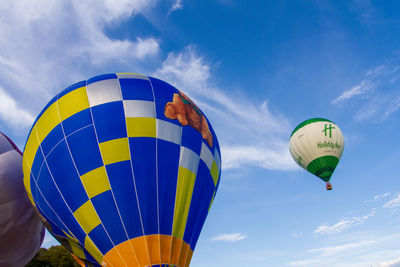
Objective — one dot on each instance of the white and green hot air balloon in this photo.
(317, 145)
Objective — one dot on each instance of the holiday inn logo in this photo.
(326, 129)
(328, 144)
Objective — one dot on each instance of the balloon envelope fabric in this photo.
(21, 232)
(317, 145)
(125, 168)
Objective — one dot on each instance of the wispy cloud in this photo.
(342, 225)
(12, 113)
(52, 44)
(232, 237)
(33, 70)
(237, 156)
(364, 87)
(377, 95)
(392, 108)
(381, 196)
(297, 235)
(393, 203)
(362, 250)
(354, 91)
(392, 263)
(252, 133)
(377, 197)
(176, 5)
(331, 250)
(308, 262)
(366, 13)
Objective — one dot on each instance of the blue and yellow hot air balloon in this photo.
(124, 169)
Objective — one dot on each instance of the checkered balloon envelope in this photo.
(123, 169)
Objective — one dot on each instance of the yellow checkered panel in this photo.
(96, 182)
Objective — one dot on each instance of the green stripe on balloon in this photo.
(304, 123)
(323, 167)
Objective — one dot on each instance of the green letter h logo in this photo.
(328, 128)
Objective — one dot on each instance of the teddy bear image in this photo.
(187, 113)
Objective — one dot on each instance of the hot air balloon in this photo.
(124, 168)
(317, 146)
(21, 232)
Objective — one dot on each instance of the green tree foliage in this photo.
(55, 256)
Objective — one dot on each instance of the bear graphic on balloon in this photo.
(186, 112)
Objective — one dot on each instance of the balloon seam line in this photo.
(158, 197)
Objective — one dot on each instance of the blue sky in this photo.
(257, 69)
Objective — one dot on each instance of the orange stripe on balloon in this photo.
(113, 259)
(78, 260)
(189, 258)
(126, 253)
(157, 247)
(165, 246)
(153, 245)
(183, 255)
(175, 250)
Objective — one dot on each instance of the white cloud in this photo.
(356, 90)
(377, 197)
(377, 95)
(233, 237)
(297, 235)
(185, 68)
(342, 225)
(392, 263)
(177, 4)
(336, 228)
(328, 255)
(361, 250)
(12, 114)
(308, 262)
(237, 156)
(48, 45)
(250, 133)
(332, 250)
(146, 47)
(53, 44)
(393, 203)
(392, 108)
(381, 196)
